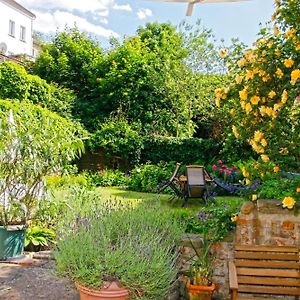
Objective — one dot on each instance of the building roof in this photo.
(19, 7)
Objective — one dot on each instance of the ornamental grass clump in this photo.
(135, 246)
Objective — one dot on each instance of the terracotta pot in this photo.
(200, 292)
(109, 291)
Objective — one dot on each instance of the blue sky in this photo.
(104, 18)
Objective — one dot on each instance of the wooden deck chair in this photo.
(199, 184)
(174, 184)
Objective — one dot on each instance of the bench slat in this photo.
(267, 248)
(293, 282)
(268, 272)
(268, 264)
(263, 255)
(269, 290)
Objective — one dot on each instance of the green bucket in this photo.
(12, 240)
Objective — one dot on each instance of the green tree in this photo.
(16, 83)
(72, 60)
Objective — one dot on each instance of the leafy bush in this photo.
(58, 181)
(118, 138)
(187, 150)
(147, 177)
(15, 83)
(216, 221)
(107, 178)
(38, 238)
(135, 246)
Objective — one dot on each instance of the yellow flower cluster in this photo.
(235, 131)
(288, 202)
(221, 93)
(295, 75)
(288, 63)
(258, 142)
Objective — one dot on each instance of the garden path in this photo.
(34, 282)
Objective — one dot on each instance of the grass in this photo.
(193, 204)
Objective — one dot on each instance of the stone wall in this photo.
(267, 223)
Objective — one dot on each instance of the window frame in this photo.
(22, 33)
(12, 28)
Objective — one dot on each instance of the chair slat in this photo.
(268, 264)
(263, 255)
(268, 272)
(293, 282)
(254, 248)
(269, 290)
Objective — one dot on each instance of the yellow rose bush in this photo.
(264, 95)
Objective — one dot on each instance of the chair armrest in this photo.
(233, 283)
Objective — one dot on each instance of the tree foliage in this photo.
(16, 83)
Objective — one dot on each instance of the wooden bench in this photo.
(264, 271)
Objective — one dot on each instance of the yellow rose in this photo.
(254, 197)
(262, 110)
(295, 75)
(265, 157)
(288, 63)
(218, 102)
(272, 94)
(276, 169)
(223, 53)
(277, 106)
(269, 111)
(248, 182)
(241, 62)
(234, 218)
(254, 100)
(258, 135)
(243, 94)
(298, 47)
(243, 104)
(249, 75)
(245, 172)
(288, 202)
(289, 34)
(238, 79)
(284, 96)
(266, 78)
(248, 108)
(298, 190)
(264, 142)
(279, 73)
(235, 132)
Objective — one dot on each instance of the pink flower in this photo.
(221, 170)
(214, 167)
(228, 171)
(220, 162)
(234, 167)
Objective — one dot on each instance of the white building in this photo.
(15, 29)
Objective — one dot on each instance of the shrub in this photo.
(187, 150)
(59, 181)
(135, 246)
(107, 178)
(118, 138)
(15, 83)
(147, 177)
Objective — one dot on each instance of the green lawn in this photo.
(193, 204)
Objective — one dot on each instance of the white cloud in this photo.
(100, 7)
(51, 22)
(143, 13)
(125, 7)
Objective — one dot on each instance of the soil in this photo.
(33, 282)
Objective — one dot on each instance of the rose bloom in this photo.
(288, 202)
(214, 167)
(254, 197)
(276, 169)
(265, 158)
(298, 190)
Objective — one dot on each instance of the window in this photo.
(11, 29)
(22, 33)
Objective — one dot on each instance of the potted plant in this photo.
(118, 252)
(33, 143)
(199, 282)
